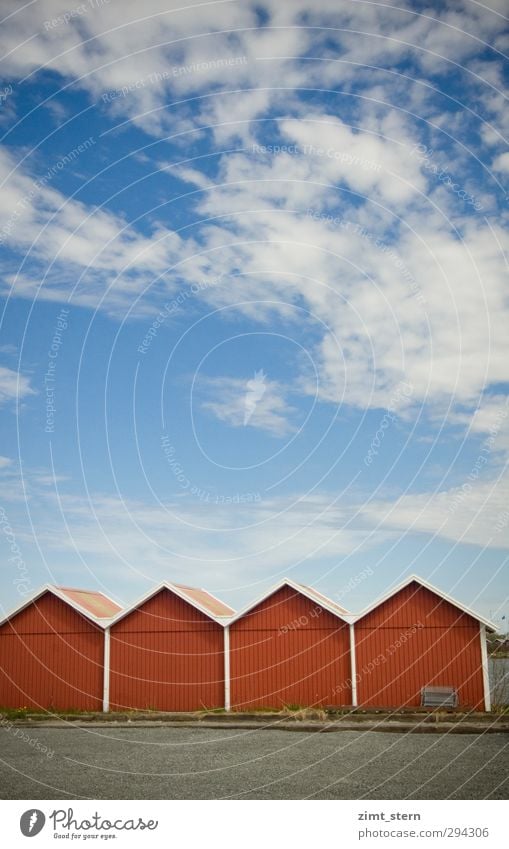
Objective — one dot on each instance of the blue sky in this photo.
(254, 297)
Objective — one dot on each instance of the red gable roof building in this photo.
(52, 650)
(290, 647)
(166, 651)
(180, 648)
(416, 638)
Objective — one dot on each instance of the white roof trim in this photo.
(166, 585)
(226, 620)
(287, 582)
(416, 579)
(103, 623)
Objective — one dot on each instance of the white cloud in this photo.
(367, 162)
(258, 403)
(474, 513)
(13, 385)
(385, 275)
(102, 53)
(99, 250)
(501, 163)
(236, 546)
(489, 417)
(397, 280)
(393, 298)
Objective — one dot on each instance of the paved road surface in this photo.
(188, 763)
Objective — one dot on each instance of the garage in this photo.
(166, 652)
(417, 638)
(52, 650)
(290, 648)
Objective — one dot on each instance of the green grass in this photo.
(40, 713)
(14, 713)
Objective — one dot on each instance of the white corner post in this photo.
(485, 668)
(227, 704)
(353, 666)
(106, 678)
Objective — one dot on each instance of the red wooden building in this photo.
(416, 637)
(179, 648)
(52, 650)
(291, 647)
(166, 652)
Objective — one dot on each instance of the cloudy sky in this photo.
(255, 302)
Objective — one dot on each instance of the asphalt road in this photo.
(188, 763)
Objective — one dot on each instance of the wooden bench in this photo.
(433, 697)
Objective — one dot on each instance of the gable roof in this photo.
(95, 606)
(323, 598)
(206, 600)
(196, 597)
(96, 603)
(415, 579)
(103, 611)
(308, 592)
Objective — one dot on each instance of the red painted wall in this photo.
(289, 650)
(51, 657)
(166, 655)
(396, 657)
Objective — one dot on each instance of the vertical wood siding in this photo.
(166, 655)
(288, 650)
(51, 657)
(396, 657)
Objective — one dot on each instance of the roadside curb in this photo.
(279, 724)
